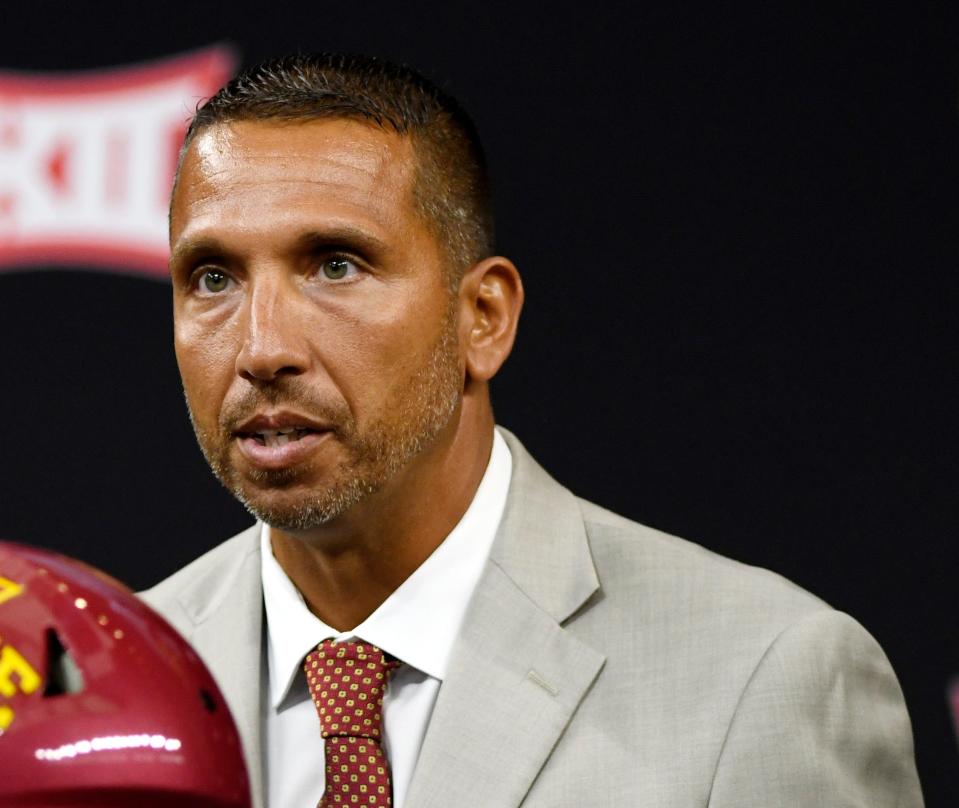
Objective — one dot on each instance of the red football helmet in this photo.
(102, 703)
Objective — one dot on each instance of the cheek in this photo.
(371, 341)
(206, 361)
(394, 353)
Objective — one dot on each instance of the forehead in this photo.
(280, 171)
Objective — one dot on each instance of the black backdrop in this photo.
(738, 235)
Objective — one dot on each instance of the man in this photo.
(339, 313)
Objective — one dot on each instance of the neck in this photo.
(345, 569)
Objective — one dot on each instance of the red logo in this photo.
(87, 160)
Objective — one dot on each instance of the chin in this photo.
(300, 510)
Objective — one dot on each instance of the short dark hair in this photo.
(451, 186)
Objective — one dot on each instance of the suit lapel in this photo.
(227, 612)
(515, 676)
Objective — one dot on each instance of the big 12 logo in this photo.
(87, 160)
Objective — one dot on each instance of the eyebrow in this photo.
(341, 236)
(344, 235)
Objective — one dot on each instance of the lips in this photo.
(278, 440)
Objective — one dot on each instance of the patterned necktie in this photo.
(346, 681)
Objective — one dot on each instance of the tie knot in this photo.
(347, 681)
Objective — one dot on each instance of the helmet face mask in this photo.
(102, 703)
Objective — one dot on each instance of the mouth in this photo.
(279, 437)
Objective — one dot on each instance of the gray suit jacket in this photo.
(602, 663)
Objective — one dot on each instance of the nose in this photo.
(273, 343)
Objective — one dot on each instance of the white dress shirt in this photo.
(417, 624)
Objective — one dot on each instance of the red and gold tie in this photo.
(347, 681)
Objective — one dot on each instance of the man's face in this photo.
(314, 327)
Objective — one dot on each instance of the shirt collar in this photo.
(409, 624)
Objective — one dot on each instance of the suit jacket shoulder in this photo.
(216, 603)
(187, 596)
(644, 569)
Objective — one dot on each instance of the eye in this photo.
(213, 281)
(336, 269)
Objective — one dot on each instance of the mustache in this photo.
(286, 393)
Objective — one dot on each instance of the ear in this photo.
(490, 299)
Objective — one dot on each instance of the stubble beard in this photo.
(414, 415)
